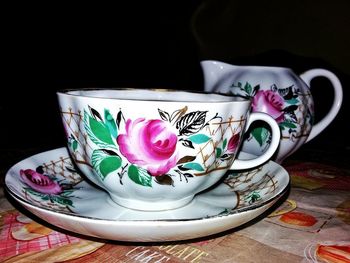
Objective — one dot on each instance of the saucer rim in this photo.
(233, 212)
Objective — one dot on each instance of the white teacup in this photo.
(156, 149)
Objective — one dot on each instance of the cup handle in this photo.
(338, 98)
(276, 136)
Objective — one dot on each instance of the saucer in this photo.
(48, 185)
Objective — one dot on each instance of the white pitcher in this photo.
(279, 92)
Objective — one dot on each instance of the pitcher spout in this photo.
(214, 72)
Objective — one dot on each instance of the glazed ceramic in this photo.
(155, 149)
(48, 185)
(280, 93)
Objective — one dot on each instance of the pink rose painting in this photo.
(269, 102)
(281, 103)
(40, 182)
(149, 144)
(233, 143)
(49, 189)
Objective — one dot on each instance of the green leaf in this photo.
(139, 176)
(110, 123)
(194, 166)
(248, 88)
(224, 144)
(287, 124)
(33, 192)
(100, 130)
(261, 135)
(292, 101)
(110, 164)
(74, 145)
(199, 138)
(66, 193)
(218, 152)
(62, 200)
(104, 164)
(92, 126)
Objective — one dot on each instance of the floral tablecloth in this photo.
(310, 224)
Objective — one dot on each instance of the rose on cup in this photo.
(150, 144)
(156, 149)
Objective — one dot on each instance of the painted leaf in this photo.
(100, 131)
(164, 180)
(292, 101)
(226, 156)
(291, 108)
(110, 123)
(33, 192)
(224, 144)
(105, 163)
(62, 200)
(95, 114)
(286, 93)
(191, 123)
(187, 175)
(119, 118)
(66, 193)
(199, 138)
(255, 90)
(239, 85)
(218, 152)
(187, 143)
(248, 88)
(182, 168)
(92, 135)
(74, 145)
(110, 164)
(194, 166)
(164, 115)
(261, 135)
(139, 176)
(178, 114)
(186, 159)
(44, 197)
(287, 124)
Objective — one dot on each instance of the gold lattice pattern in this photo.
(73, 124)
(220, 131)
(64, 168)
(266, 185)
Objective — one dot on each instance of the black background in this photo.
(47, 48)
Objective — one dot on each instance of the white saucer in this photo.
(82, 208)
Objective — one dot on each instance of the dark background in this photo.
(154, 45)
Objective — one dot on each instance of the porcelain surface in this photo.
(47, 185)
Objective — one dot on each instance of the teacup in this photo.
(156, 149)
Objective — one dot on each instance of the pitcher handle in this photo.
(337, 101)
